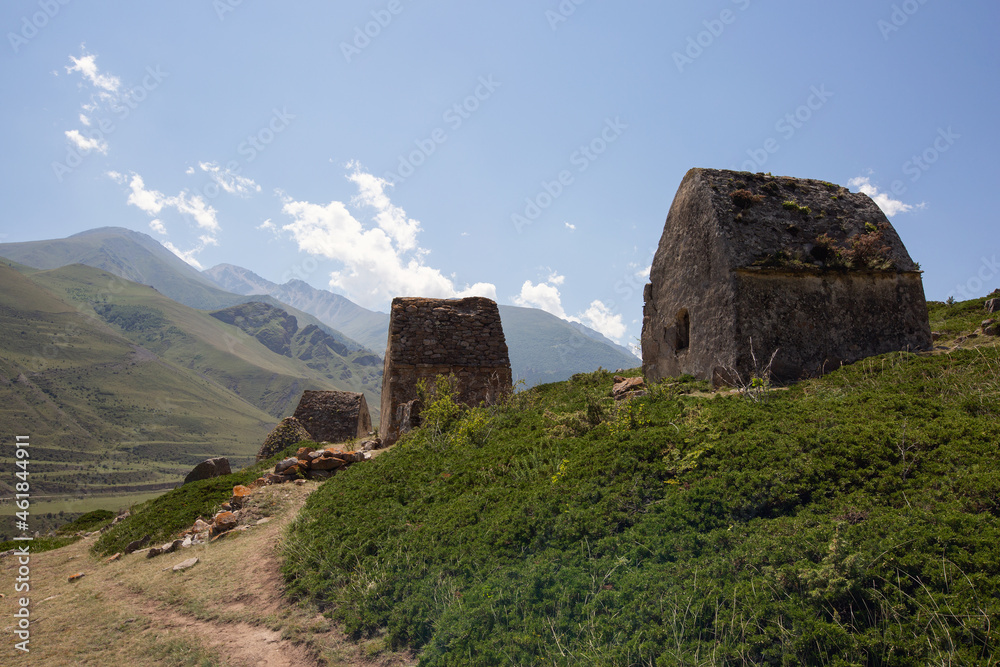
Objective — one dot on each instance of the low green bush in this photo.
(161, 518)
(849, 520)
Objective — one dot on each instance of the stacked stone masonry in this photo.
(334, 416)
(751, 265)
(433, 337)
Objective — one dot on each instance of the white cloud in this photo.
(546, 296)
(888, 205)
(87, 66)
(229, 181)
(390, 219)
(570, 227)
(186, 256)
(600, 318)
(150, 201)
(87, 144)
(189, 171)
(85, 120)
(378, 262)
(153, 201)
(643, 274)
(542, 295)
(267, 225)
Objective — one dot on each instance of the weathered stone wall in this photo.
(818, 322)
(334, 416)
(802, 266)
(432, 337)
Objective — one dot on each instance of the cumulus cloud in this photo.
(600, 318)
(888, 205)
(154, 201)
(85, 120)
(228, 180)
(546, 296)
(570, 227)
(389, 218)
(378, 260)
(87, 144)
(87, 66)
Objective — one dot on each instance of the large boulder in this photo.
(208, 469)
(289, 432)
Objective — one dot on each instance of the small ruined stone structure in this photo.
(288, 432)
(803, 267)
(432, 337)
(334, 416)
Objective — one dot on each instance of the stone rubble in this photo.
(308, 463)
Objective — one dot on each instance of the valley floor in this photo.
(228, 610)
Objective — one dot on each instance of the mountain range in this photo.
(128, 366)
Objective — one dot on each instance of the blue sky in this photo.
(527, 151)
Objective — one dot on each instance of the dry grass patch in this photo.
(229, 609)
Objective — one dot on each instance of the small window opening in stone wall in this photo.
(682, 327)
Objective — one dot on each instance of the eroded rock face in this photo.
(208, 469)
(289, 432)
(432, 337)
(750, 264)
(993, 306)
(334, 416)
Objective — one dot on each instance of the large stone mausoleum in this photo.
(432, 337)
(801, 269)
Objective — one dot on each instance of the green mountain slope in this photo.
(365, 326)
(543, 348)
(105, 415)
(141, 259)
(848, 520)
(220, 352)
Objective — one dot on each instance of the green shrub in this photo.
(164, 516)
(852, 519)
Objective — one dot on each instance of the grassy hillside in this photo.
(104, 415)
(212, 348)
(139, 258)
(848, 520)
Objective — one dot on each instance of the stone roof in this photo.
(782, 223)
(458, 332)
